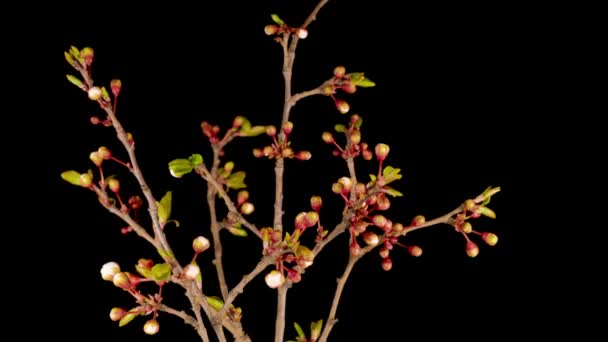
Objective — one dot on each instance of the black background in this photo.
(460, 91)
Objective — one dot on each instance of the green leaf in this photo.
(127, 318)
(356, 77)
(75, 81)
(391, 174)
(299, 330)
(339, 128)
(236, 180)
(166, 254)
(69, 59)
(195, 160)
(364, 83)
(390, 191)
(276, 19)
(315, 329)
(253, 131)
(215, 302)
(144, 272)
(161, 272)
(180, 167)
(71, 176)
(487, 212)
(237, 231)
(104, 94)
(164, 208)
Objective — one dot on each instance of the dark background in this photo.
(460, 93)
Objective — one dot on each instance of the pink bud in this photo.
(342, 106)
(302, 33)
(145, 263)
(489, 238)
(86, 180)
(258, 152)
(316, 202)
(387, 264)
(383, 203)
(287, 127)
(384, 252)
(104, 152)
(271, 131)
(96, 158)
(327, 137)
(472, 249)
(303, 155)
(87, 53)
(349, 88)
(116, 86)
(294, 276)
(121, 279)
(247, 208)
(271, 29)
(466, 227)
(347, 184)
(418, 220)
(379, 221)
(371, 238)
(355, 137)
(135, 202)
(414, 251)
(114, 185)
(242, 197)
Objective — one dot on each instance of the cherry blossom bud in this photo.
(302, 33)
(371, 238)
(397, 228)
(490, 238)
(271, 29)
(346, 183)
(258, 152)
(117, 313)
(200, 244)
(384, 252)
(355, 137)
(469, 205)
(247, 208)
(87, 53)
(94, 93)
(114, 185)
(342, 106)
(242, 197)
(191, 271)
(355, 249)
(327, 137)
(104, 152)
(145, 263)
(414, 251)
(418, 220)
(466, 227)
(96, 158)
(287, 127)
(383, 203)
(86, 180)
(316, 202)
(382, 151)
(115, 85)
(387, 264)
(109, 269)
(472, 249)
(339, 71)
(303, 155)
(379, 221)
(151, 327)
(294, 276)
(271, 131)
(274, 279)
(121, 279)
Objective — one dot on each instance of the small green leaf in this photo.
(276, 19)
(127, 318)
(71, 176)
(196, 160)
(166, 254)
(359, 122)
(180, 167)
(299, 330)
(215, 302)
(253, 131)
(391, 174)
(237, 231)
(364, 83)
(144, 272)
(164, 208)
(104, 94)
(161, 272)
(69, 59)
(487, 212)
(74, 51)
(339, 128)
(356, 77)
(236, 180)
(315, 329)
(75, 81)
(390, 191)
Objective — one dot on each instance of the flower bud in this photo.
(469, 205)
(117, 313)
(383, 203)
(145, 263)
(379, 221)
(355, 137)
(96, 158)
(258, 152)
(316, 202)
(247, 208)
(466, 227)
(294, 276)
(418, 220)
(86, 180)
(200, 244)
(414, 251)
(104, 152)
(472, 249)
(371, 238)
(114, 185)
(135, 202)
(121, 279)
(347, 184)
(384, 252)
(287, 127)
(489, 238)
(115, 86)
(339, 71)
(271, 131)
(387, 264)
(94, 93)
(109, 269)
(327, 137)
(242, 197)
(303, 155)
(342, 106)
(274, 279)
(191, 271)
(271, 29)
(151, 327)
(397, 228)
(87, 53)
(382, 151)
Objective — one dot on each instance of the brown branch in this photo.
(197, 323)
(279, 330)
(331, 320)
(215, 227)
